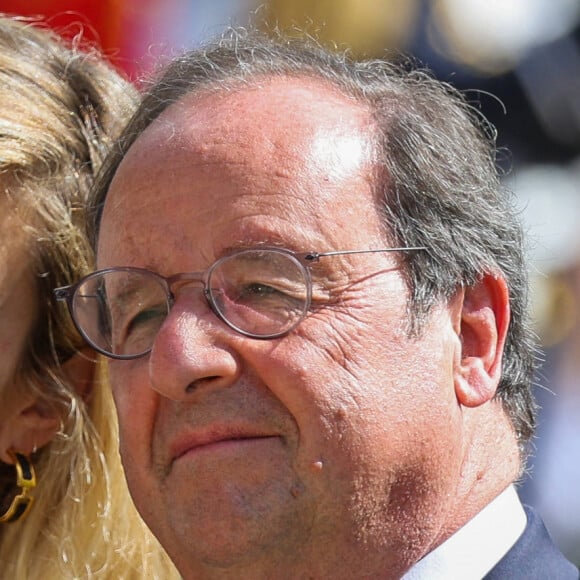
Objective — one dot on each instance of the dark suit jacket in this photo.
(534, 557)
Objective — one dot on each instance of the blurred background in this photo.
(518, 61)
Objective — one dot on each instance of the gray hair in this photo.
(438, 184)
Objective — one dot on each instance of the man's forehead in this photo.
(269, 106)
(286, 149)
(287, 122)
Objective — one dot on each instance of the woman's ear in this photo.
(79, 371)
(29, 421)
(28, 424)
(485, 316)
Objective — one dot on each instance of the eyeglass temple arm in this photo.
(315, 256)
(61, 293)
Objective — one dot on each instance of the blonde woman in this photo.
(60, 109)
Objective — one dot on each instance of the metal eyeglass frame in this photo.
(302, 259)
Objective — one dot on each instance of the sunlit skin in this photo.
(342, 450)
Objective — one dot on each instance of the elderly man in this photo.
(313, 292)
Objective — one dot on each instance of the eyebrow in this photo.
(267, 241)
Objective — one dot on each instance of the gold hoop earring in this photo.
(26, 480)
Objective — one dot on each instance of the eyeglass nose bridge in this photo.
(177, 281)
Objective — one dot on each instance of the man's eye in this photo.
(280, 288)
(257, 289)
(145, 317)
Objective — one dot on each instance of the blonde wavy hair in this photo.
(61, 107)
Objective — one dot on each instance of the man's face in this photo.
(338, 441)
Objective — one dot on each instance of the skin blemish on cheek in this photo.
(297, 489)
(317, 466)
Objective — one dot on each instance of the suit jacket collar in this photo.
(534, 556)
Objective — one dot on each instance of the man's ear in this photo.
(30, 421)
(483, 325)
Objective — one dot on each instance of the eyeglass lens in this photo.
(260, 293)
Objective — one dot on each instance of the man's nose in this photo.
(192, 352)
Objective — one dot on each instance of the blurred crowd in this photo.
(519, 60)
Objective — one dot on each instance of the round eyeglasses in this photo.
(261, 293)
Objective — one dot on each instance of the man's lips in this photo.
(200, 439)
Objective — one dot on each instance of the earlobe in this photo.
(484, 320)
(29, 426)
